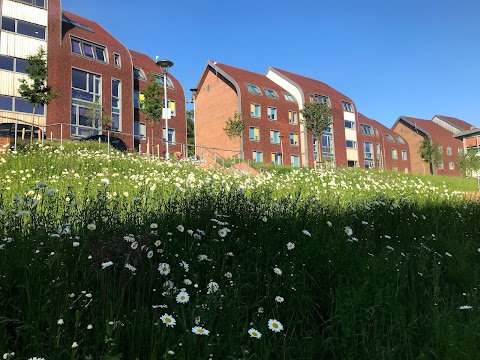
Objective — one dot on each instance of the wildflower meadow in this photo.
(130, 257)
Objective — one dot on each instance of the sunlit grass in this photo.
(127, 257)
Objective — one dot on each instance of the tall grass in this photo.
(368, 266)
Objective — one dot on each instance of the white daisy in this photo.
(200, 330)
(290, 246)
(279, 299)
(275, 325)
(91, 227)
(180, 228)
(277, 271)
(254, 333)
(182, 297)
(168, 320)
(348, 231)
(164, 269)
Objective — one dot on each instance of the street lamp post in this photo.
(164, 64)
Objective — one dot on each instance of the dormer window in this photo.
(389, 138)
(319, 99)
(347, 106)
(159, 79)
(88, 49)
(399, 139)
(254, 89)
(271, 93)
(366, 129)
(138, 73)
(289, 97)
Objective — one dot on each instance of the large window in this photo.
(274, 136)
(257, 156)
(86, 104)
(292, 117)
(327, 145)
(319, 98)
(366, 129)
(13, 64)
(11, 103)
(89, 50)
(347, 106)
(138, 98)
(254, 133)
(117, 105)
(293, 139)
(368, 155)
(272, 113)
(171, 135)
(138, 73)
(23, 28)
(254, 89)
(255, 110)
(38, 3)
(270, 93)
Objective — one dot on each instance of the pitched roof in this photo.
(312, 86)
(459, 124)
(438, 134)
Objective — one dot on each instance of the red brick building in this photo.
(414, 130)
(380, 147)
(89, 68)
(270, 113)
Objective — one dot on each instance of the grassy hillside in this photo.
(127, 257)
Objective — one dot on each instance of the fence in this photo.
(144, 145)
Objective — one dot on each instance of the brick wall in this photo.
(414, 140)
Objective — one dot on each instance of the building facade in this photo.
(414, 130)
(91, 70)
(380, 147)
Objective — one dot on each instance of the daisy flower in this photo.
(106, 264)
(212, 287)
(254, 333)
(279, 299)
(134, 245)
(154, 226)
(277, 271)
(348, 230)
(91, 227)
(168, 320)
(222, 232)
(150, 254)
(466, 307)
(180, 228)
(290, 246)
(200, 330)
(275, 325)
(182, 297)
(164, 269)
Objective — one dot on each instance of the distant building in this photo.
(440, 131)
(381, 147)
(87, 66)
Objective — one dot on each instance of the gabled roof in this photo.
(459, 124)
(438, 134)
(312, 86)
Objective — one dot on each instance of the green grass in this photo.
(381, 266)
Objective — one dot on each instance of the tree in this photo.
(151, 103)
(317, 117)
(96, 116)
(469, 164)
(191, 133)
(234, 127)
(35, 89)
(431, 154)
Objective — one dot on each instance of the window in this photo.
(23, 28)
(17, 104)
(349, 124)
(399, 139)
(272, 113)
(138, 98)
(326, 145)
(404, 154)
(254, 133)
(116, 60)
(138, 73)
(440, 166)
(367, 150)
(274, 136)
(171, 135)
(88, 49)
(254, 89)
(460, 151)
(277, 158)
(451, 165)
(116, 105)
(389, 137)
(38, 3)
(366, 129)
(13, 64)
(270, 93)
(440, 148)
(347, 106)
(449, 150)
(257, 156)
(394, 168)
(294, 160)
(292, 117)
(255, 110)
(289, 97)
(319, 98)
(293, 139)
(86, 95)
(351, 144)
(159, 79)
(171, 106)
(139, 130)
(394, 154)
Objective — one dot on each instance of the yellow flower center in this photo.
(200, 330)
(275, 325)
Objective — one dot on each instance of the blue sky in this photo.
(398, 57)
